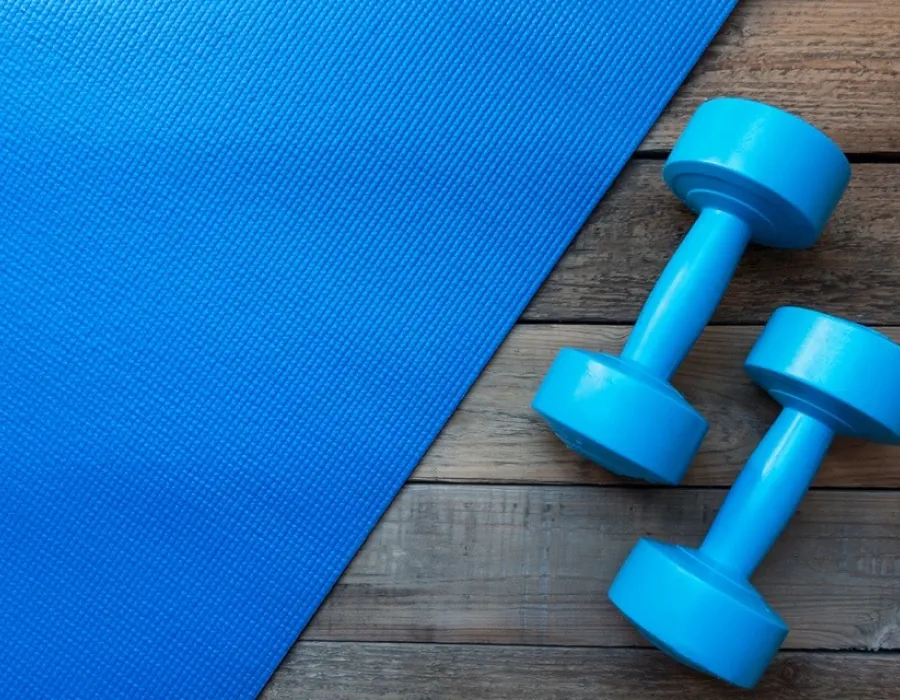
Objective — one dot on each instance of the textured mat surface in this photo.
(252, 254)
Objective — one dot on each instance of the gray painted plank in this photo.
(833, 62)
(853, 270)
(531, 565)
(353, 671)
(495, 437)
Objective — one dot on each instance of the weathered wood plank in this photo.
(495, 437)
(854, 269)
(353, 671)
(531, 565)
(833, 62)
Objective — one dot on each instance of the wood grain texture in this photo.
(852, 271)
(353, 671)
(834, 62)
(495, 437)
(532, 564)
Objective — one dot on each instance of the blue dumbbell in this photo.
(755, 173)
(831, 376)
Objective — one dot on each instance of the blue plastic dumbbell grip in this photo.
(767, 492)
(687, 292)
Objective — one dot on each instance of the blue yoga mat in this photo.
(252, 254)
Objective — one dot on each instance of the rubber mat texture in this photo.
(252, 255)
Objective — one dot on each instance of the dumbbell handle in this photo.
(767, 492)
(687, 292)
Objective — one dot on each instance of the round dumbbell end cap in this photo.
(696, 613)
(842, 373)
(774, 170)
(617, 415)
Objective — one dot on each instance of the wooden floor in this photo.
(487, 578)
